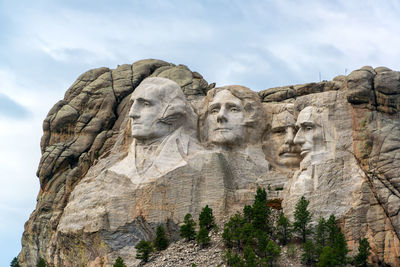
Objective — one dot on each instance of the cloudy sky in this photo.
(45, 45)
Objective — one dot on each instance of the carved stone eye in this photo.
(280, 130)
(214, 111)
(234, 109)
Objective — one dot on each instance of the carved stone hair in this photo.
(252, 108)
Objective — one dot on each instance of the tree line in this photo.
(252, 240)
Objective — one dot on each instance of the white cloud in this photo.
(258, 44)
(19, 158)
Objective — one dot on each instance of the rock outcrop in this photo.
(144, 144)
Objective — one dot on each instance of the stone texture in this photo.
(78, 131)
(105, 185)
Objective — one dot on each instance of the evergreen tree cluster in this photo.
(206, 224)
(251, 240)
(145, 248)
(329, 247)
(248, 235)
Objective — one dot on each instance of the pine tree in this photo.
(262, 243)
(248, 213)
(247, 234)
(340, 248)
(272, 252)
(328, 258)
(41, 262)
(261, 195)
(260, 211)
(14, 262)
(302, 218)
(187, 230)
(321, 237)
(233, 231)
(233, 259)
(284, 229)
(202, 237)
(249, 257)
(309, 256)
(119, 262)
(361, 259)
(161, 241)
(144, 249)
(206, 218)
(333, 230)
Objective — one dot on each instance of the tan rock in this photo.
(121, 155)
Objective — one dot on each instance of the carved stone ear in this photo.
(171, 118)
(251, 112)
(250, 109)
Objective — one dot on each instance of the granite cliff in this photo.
(141, 145)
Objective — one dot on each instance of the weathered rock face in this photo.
(122, 154)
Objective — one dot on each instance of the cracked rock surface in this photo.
(88, 214)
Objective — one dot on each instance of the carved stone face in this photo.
(145, 113)
(310, 135)
(225, 119)
(159, 107)
(278, 145)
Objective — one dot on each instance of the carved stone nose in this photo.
(289, 135)
(221, 116)
(133, 112)
(299, 138)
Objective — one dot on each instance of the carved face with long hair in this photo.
(230, 117)
(158, 108)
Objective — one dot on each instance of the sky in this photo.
(45, 45)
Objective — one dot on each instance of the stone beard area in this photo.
(137, 146)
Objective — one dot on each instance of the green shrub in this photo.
(291, 251)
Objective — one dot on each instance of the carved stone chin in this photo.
(228, 119)
(225, 120)
(125, 152)
(162, 130)
(159, 107)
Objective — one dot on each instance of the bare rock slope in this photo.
(92, 209)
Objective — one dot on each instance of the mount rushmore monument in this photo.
(130, 148)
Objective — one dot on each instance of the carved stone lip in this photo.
(304, 151)
(289, 155)
(223, 129)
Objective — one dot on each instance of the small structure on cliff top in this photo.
(144, 144)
